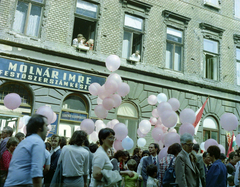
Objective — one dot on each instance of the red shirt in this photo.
(5, 160)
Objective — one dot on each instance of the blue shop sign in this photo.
(44, 75)
(73, 116)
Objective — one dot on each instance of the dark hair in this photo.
(222, 156)
(34, 123)
(136, 150)
(63, 141)
(128, 155)
(156, 147)
(132, 164)
(174, 149)
(19, 135)
(204, 154)
(214, 151)
(8, 130)
(120, 153)
(231, 155)
(54, 136)
(196, 147)
(230, 179)
(230, 169)
(104, 133)
(86, 143)
(93, 147)
(78, 138)
(151, 170)
(48, 145)
(145, 152)
(12, 141)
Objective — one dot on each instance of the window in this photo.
(128, 114)
(213, 3)
(211, 55)
(174, 49)
(237, 8)
(238, 65)
(210, 129)
(132, 38)
(86, 17)
(28, 17)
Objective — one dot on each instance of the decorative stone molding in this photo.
(146, 7)
(206, 26)
(236, 38)
(168, 14)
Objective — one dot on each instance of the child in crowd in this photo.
(131, 181)
(152, 176)
(230, 181)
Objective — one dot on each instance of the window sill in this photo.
(212, 5)
(210, 80)
(132, 61)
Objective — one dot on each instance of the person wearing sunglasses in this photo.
(187, 173)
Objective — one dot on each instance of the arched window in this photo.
(11, 118)
(210, 128)
(128, 114)
(74, 111)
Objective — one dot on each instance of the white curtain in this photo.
(238, 53)
(133, 22)
(238, 73)
(127, 38)
(34, 21)
(237, 8)
(177, 58)
(212, 68)
(20, 17)
(128, 110)
(169, 56)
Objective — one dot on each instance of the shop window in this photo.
(27, 17)
(238, 65)
(86, 17)
(211, 57)
(210, 129)
(127, 113)
(74, 111)
(174, 49)
(132, 38)
(237, 8)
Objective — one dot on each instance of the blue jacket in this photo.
(217, 175)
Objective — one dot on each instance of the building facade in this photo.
(188, 49)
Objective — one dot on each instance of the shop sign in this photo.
(73, 116)
(46, 75)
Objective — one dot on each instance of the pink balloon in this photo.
(118, 145)
(164, 129)
(115, 77)
(99, 125)
(99, 101)
(108, 103)
(87, 125)
(113, 62)
(100, 111)
(140, 134)
(93, 88)
(54, 117)
(210, 142)
(152, 100)
(171, 138)
(187, 116)
(155, 113)
(229, 121)
(222, 149)
(94, 136)
(103, 93)
(153, 121)
(172, 130)
(111, 86)
(160, 144)
(174, 103)
(163, 107)
(109, 124)
(123, 89)
(169, 118)
(238, 140)
(187, 128)
(145, 126)
(114, 122)
(21, 123)
(157, 134)
(121, 131)
(12, 101)
(46, 111)
(117, 100)
(163, 153)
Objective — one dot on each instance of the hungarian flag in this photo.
(231, 144)
(199, 116)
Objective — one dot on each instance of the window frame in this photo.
(218, 130)
(30, 3)
(210, 4)
(205, 52)
(235, 8)
(133, 31)
(237, 62)
(173, 54)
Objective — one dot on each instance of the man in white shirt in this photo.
(152, 159)
(77, 41)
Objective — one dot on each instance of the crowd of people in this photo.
(80, 41)
(58, 162)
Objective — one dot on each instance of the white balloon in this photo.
(161, 97)
(94, 136)
(145, 126)
(141, 142)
